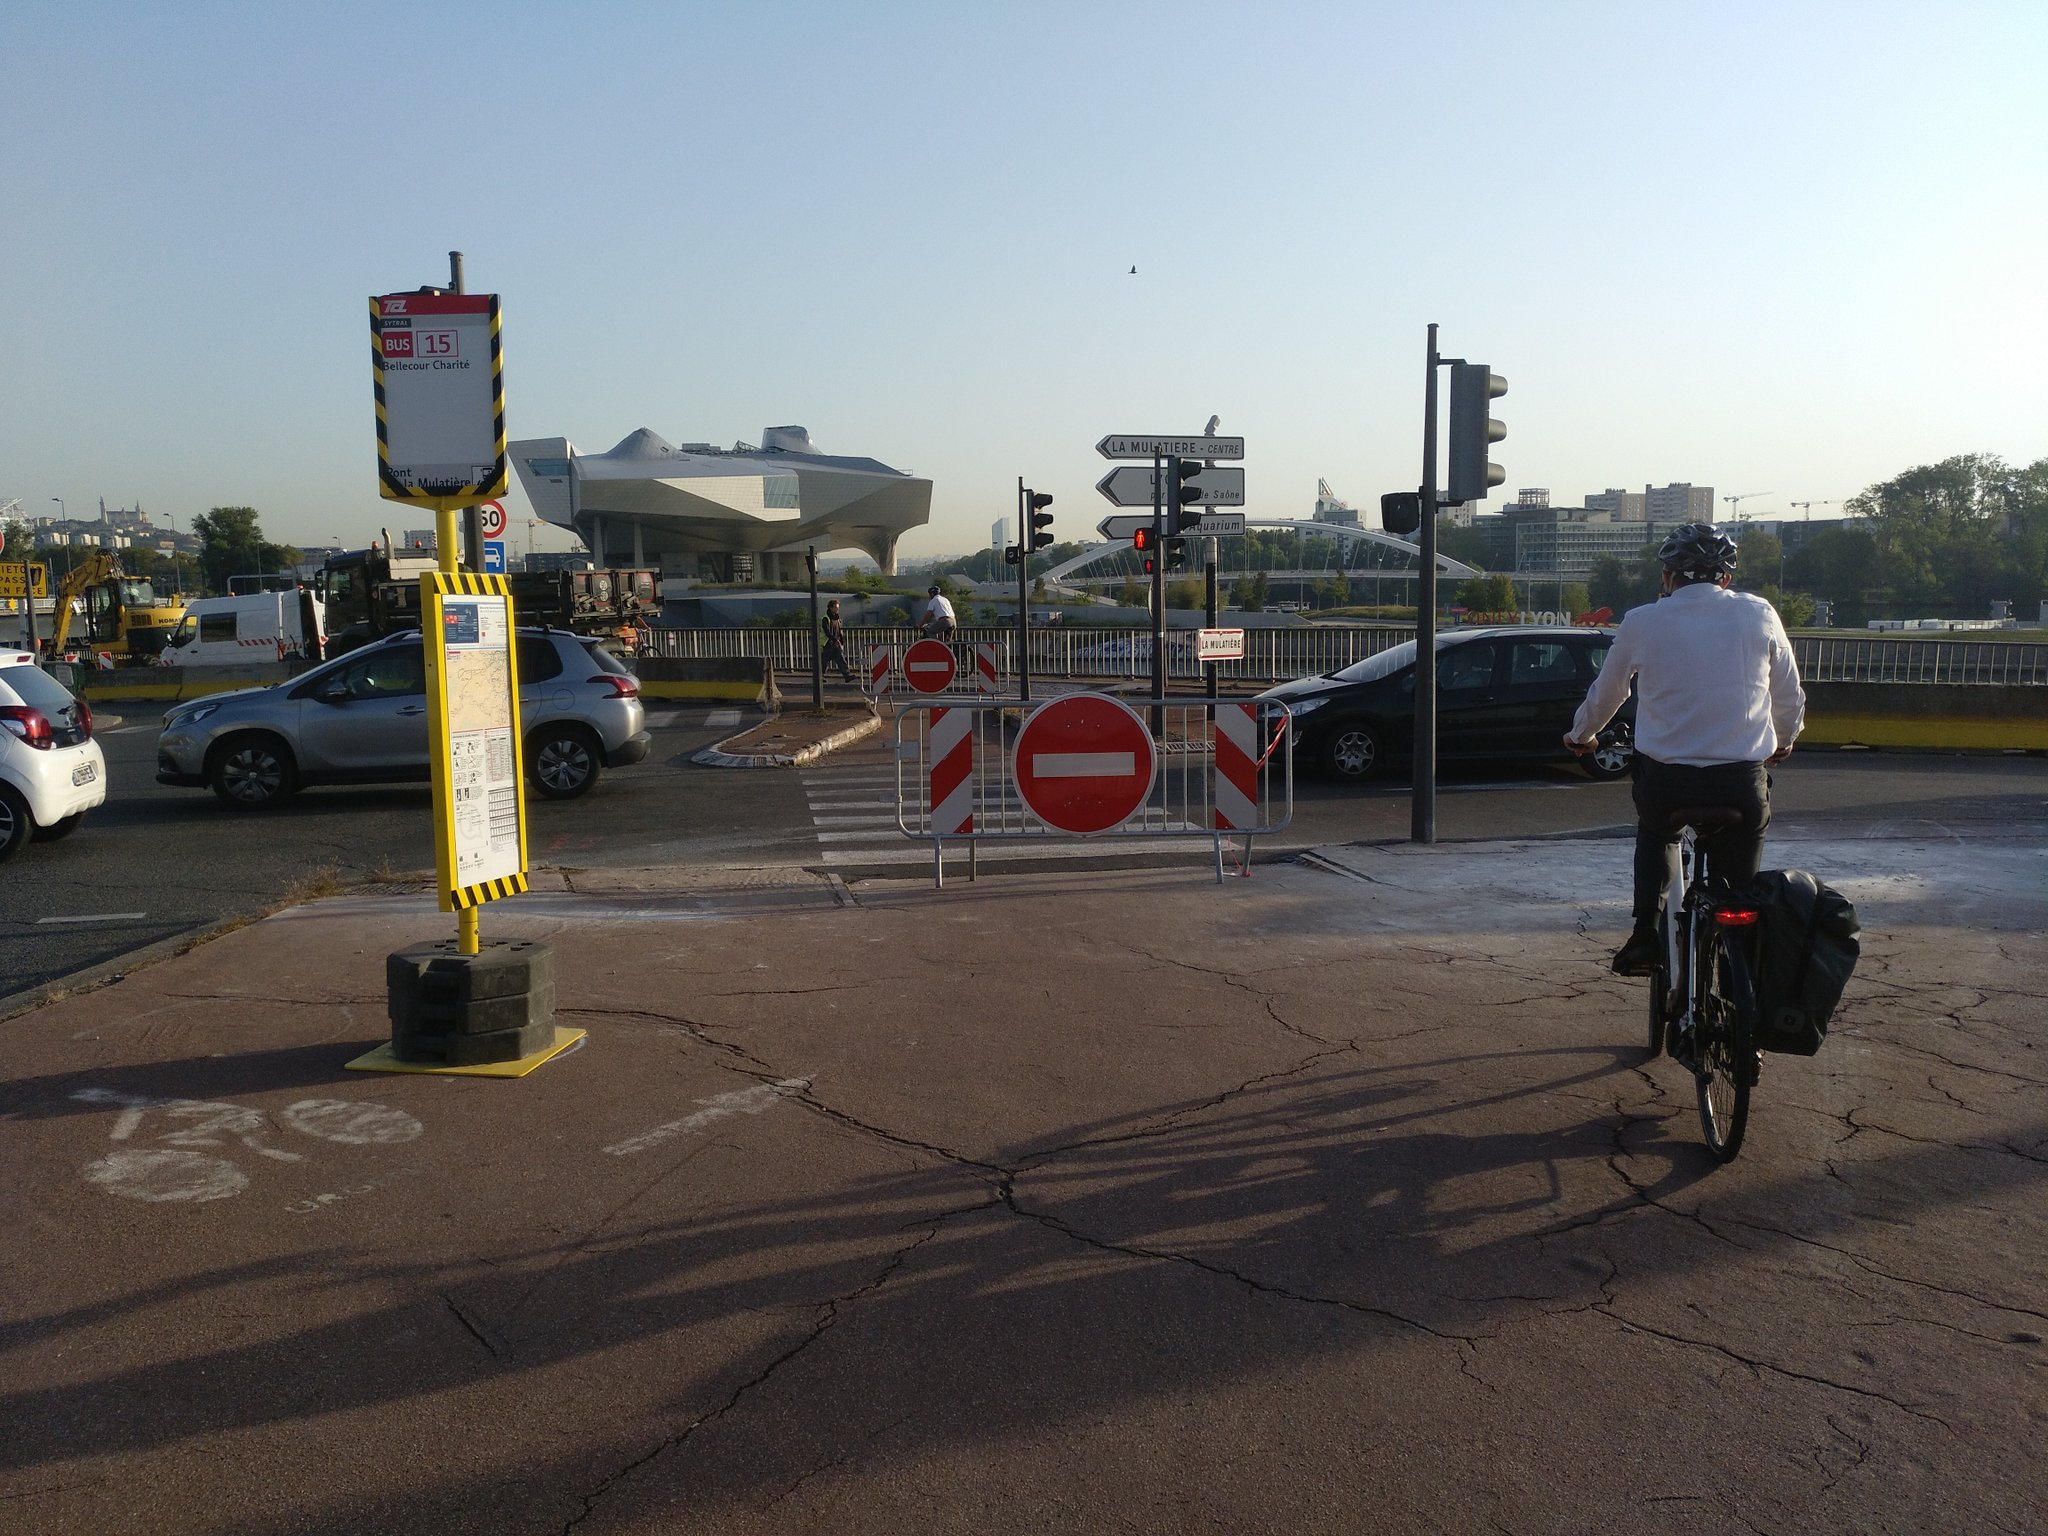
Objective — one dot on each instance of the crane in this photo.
(1803, 505)
(1734, 501)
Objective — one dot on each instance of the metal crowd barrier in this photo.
(1221, 771)
(1273, 655)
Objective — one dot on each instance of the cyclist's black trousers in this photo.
(1734, 854)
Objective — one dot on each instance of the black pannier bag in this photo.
(1806, 949)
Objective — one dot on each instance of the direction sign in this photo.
(1122, 525)
(493, 514)
(1084, 763)
(1131, 486)
(1142, 446)
(928, 666)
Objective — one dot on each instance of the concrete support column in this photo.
(639, 546)
(597, 542)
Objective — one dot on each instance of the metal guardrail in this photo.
(1191, 802)
(1273, 655)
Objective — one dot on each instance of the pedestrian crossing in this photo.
(854, 818)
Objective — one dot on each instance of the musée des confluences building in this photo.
(721, 514)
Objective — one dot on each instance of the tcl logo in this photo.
(394, 306)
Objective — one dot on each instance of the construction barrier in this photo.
(1187, 773)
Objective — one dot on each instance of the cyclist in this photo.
(1717, 701)
(938, 615)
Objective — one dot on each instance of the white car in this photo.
(51, 770)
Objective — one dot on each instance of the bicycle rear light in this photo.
(1736, 917)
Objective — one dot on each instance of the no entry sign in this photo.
(1084, 763)
(928, 666)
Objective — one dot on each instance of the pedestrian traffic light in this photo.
(1473, 387)
(1040, 521)
(1142, 542)
(1182, 494)
(1401, 511)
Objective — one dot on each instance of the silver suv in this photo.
(363, 719)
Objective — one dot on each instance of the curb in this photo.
(716, 757)
(92, 977)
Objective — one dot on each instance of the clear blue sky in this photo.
(1795, 247)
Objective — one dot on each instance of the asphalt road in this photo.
(157, 863)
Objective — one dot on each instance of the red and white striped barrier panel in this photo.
(985, 666)
(878, 670)
(1237, 766)
(952, 772)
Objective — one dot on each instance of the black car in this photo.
(1501, 693)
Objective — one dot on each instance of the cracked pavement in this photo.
(1336, 1199)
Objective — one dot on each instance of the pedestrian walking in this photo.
(833, 636)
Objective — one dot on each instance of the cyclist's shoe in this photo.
(1638, 957)
(1685, 1049)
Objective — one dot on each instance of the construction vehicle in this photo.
(370, 593)
(123, 616)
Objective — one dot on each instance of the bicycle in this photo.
(1702, 992)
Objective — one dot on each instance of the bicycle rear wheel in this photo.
(1727, 1042)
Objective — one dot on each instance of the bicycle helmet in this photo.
(1699, 552)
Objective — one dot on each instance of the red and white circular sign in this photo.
(1084, 762)
(928, 666)
(493, 515)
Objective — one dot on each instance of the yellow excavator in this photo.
(122, 615)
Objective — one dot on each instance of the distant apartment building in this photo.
(1568, 547)
(426, 539)
(1678, 503)
(999, 534)
(1622, 506)
(558, 560)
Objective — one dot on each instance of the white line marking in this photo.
(1084, 765)
(881, 819)
(742, 1101)
(718, 719)
(661, 720)
(929, 666)
(95, 917)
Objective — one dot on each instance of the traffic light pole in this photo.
(1210, 582)
(1158, 594)
(1023, 592)
(1422, 827)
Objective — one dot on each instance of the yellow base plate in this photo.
(381, 1060)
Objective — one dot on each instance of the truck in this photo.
(370, 593)
(250, 627)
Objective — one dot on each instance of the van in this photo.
(253, 627)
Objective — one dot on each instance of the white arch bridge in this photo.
(1445, 565)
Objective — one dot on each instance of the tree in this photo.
(1185, 593)
(1038, 588)
(15, 541)
(1761, 553)
(1489, 594)
(231, 543)
(1252, 594)
(1794, 608)
(1575, 599)
(1135, 594)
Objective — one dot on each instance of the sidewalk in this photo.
(1331, 1200)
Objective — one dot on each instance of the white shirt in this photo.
(1714, 675)
(938, 608)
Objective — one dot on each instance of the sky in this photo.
(1791, 248)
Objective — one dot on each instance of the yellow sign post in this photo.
(440, 392)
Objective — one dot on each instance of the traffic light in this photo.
(1473, 388)
(1141, 541)
(1040, 521)
(1011, 554)
(1401, 511)
(1181, 494)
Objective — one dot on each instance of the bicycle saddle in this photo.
(1705, 818)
